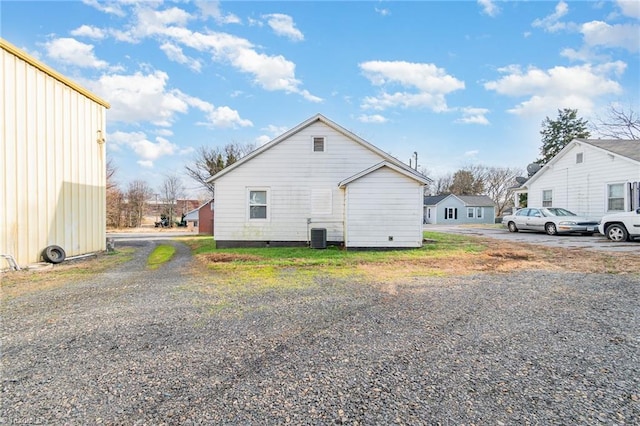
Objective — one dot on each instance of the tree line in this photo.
(126, 206)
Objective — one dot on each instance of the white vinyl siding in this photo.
(292, 171)
(583, 188)
(375, 197)
(52, 168)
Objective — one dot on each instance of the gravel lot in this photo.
(133, 346)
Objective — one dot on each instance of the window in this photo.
(450, 213)
(318, 144)
(479, 212)
(615, 197)
(579, 158)
(258, 204)
(470, 212)
(547, 198)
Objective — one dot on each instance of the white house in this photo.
(459, 209)
(52, 162)
(590, 177)
(319, 176)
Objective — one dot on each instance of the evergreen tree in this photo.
(556, 134)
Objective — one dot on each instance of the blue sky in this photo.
(459, 82)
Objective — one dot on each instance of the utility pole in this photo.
(415, 153)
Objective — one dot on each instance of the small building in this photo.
(459, 209)
(590, 177)
(52, 162)
(201, 218)
(319, 179)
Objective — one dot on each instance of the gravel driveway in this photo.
(133, 346)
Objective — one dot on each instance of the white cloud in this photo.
(271, 72)
(263, 139)
(429, 85)
(472, 153)
(145, 163)
(110, 7)
(598, 33)
(146, 150)
(140, 97)
(176, 54)
(630, 8)
(558, 87)
(552, 22)
(73, 52)
(382, 11)
(89, 32)
(374, 118)
(211, 9)
(489, 7)
(283, 25)
(216, 116)
(472, 115)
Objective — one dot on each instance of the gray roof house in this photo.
(459, 209)
(591, 177)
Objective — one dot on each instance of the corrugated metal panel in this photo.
(53, 168)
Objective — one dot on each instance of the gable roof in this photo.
(467, 200)
(418, 177)
(432, 200)
(628, 149)
(321, 119)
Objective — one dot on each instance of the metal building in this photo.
(52, 162)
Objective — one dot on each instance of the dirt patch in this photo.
(230, 257)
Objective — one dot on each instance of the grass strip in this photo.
(160, 255)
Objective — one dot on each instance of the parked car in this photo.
(552, 220)
(621, 226)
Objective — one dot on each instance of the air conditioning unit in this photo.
(318, 238)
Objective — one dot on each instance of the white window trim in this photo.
(479, 212)
(471, 210)
(606, 196)
(581, 155)
(324, 145)
(248, 203)
(543, 200)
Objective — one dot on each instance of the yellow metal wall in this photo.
(52, 168)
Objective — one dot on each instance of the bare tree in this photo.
(114, 197)
(619, 123)
(138, 192)
(210, 160)
(171, 189)
(441, 184)
(499, 183)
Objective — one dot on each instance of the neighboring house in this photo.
(52, 162)
(319, 177)
(459, 209)
(590, 177)
(202, 218)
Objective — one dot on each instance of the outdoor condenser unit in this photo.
(318, 238)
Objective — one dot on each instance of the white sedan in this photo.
(552, 220)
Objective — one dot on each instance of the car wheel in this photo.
(512, 227)
(617, 233)
(551, 228)
(54, 254)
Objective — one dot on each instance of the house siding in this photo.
(581, 187)
(372, 199)
(52, 170)
(290, 171)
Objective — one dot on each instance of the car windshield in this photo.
(557, 212)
